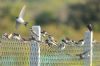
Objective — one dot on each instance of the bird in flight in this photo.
(19, 19)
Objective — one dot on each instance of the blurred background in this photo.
(61, 18)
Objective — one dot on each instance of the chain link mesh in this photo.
(17, 53)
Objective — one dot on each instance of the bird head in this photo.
(15, 34)
(26, 23)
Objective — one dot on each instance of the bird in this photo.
(82, 55)
(62, 45)
(50, 41)
(80, 42)
(19, 19)
(66, 40)
(5, 36)
(90, 27)
(44, 33)
(10, 36)
(33, 33)
(14, 36)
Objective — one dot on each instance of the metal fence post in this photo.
(35, 48)
(88, 46)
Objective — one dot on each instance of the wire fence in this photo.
(52, 56)
(17, 53)
(14, 53)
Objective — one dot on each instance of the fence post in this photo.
(88, 46)
(35, 48)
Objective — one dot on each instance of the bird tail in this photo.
(26, 23)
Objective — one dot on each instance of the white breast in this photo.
(10, 36)
(62, 46)
(17, 37)
(20, 20)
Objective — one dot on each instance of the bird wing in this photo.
(22, 12)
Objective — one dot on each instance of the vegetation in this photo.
(45, 18)
(68, 17)
(83, 14)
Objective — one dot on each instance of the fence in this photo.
(14, 53)
(18, 53)
(67, 57)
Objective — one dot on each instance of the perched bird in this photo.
(66, 40)
(5, 36)
(19, 19)
(10, 36)
(33, 33)
(14, 36)
(50, 40)
(44, 33)
(90, 27)
(81, 42)
(17, 36)
(34, 36)
(82, 55)
(62, 45)
(34, 39)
